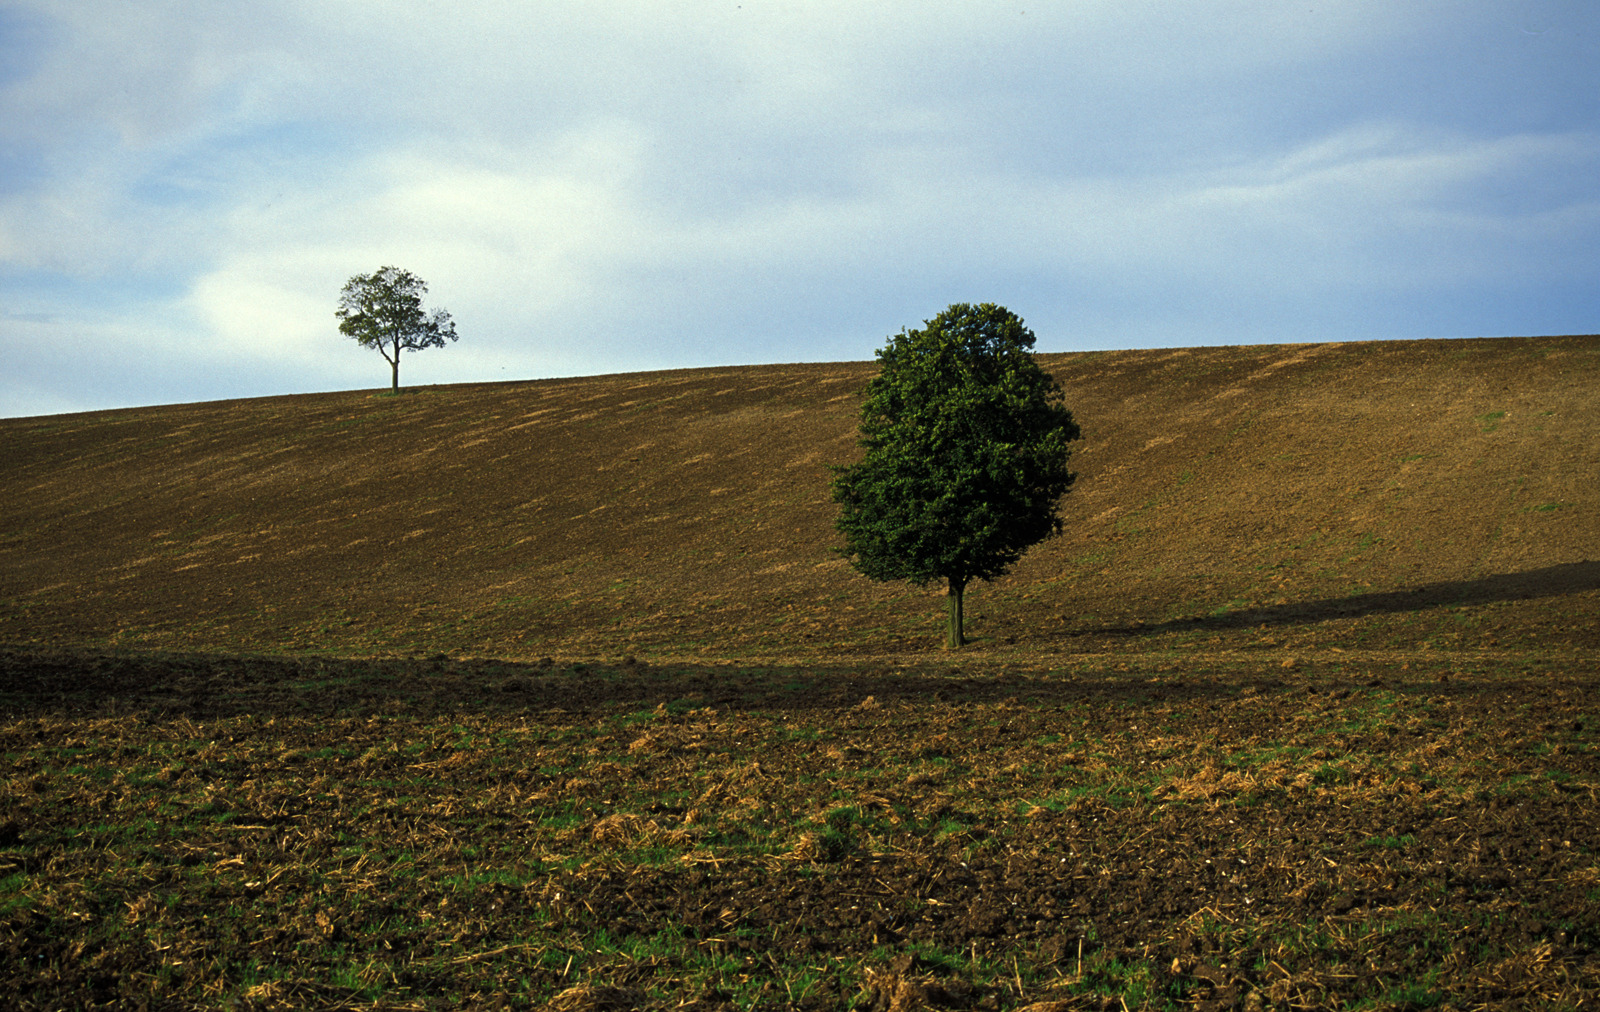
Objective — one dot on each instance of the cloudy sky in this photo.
(602, 186)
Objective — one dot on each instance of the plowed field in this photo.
(194, 832)
(552, 694)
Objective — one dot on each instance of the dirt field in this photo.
(282, 833)
(553, 694)
(1406, 495)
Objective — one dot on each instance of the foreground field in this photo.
(203, 831)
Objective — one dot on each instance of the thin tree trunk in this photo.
(956, 639)
(394, 383)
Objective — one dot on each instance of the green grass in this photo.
(1489, 421)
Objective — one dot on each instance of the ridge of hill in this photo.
(1372, 496)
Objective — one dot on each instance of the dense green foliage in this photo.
(966, 455)
(383, 310)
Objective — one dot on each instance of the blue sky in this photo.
(595, 187)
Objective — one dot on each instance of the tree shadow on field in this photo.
(87, 684)
(1550, 581)
(92, 683)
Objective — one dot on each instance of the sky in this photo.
(595, 187)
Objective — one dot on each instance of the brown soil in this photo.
(1299, 712)
(1397, 496)
(440, 833)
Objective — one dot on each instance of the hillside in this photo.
(1397, 496)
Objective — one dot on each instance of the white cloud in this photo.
(261, 310)
(531, 262)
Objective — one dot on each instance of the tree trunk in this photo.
(394, 382)
(956, 639)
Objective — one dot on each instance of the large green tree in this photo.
(383, 310)
(966, 455)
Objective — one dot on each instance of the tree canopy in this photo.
(966, 455)
(383, 310)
